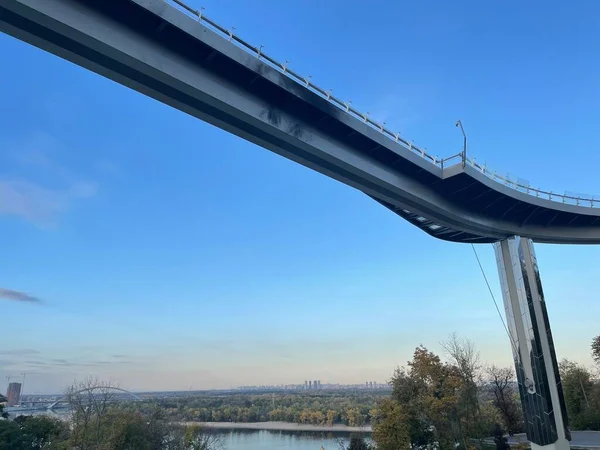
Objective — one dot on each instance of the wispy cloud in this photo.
(9, 294)
(29, 201)
(40, 188)
(62, 362)
(20, 351)
(36, 203)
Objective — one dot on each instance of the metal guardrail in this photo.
(305, 81)
(581, 200)
(521, 186)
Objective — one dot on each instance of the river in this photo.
(244, 439)
(280, 440)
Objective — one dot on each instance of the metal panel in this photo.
(533, 348)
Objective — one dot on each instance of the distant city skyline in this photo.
(146, 247)
(14, 389)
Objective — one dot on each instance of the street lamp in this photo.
(464, 152)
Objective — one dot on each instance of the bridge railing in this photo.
(520, 185)
(524, 186)
(305, 81)
(451, 160)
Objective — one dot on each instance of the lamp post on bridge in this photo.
(464, 152)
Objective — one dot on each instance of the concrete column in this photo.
(533, 349)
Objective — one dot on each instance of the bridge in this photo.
(171, 52)
(91, 392)
(185, 60)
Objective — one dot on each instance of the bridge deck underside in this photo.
(478, 198)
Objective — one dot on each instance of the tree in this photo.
(330, 417)
(582, 396)
(432, 397)
(128, 430)
(488, 417)
(198, 438)
(3, 415)
(89, 400)
(354, 417)
(499, 439)
(407, 391)
(596, 349)
(358, 443)
(465, 357)
(502, 388)
(11, 437)
(37, 433)
(42, 432)
(390, 430)
(98, 424)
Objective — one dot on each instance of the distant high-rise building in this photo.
(319, 383)
(305, 384)
(310, 384)
(367, 384)
(370, 385)
(315, 385)
(13, 394)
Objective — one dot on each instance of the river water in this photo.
(280, 440)
(240, 439)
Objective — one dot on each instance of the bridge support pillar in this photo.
(533, 349)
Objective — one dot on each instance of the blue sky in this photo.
(169, 254)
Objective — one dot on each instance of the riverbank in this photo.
(282, 426)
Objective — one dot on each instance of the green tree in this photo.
(42, 432)
(390, 430)
(429, 390)
(3, 415)
(486, 420)
(11, 437)
(330, 417)
(582, 396)
(358, 443)
(499, 439)
(198, 438)
(99, 425)
(122, 429)
(37, 433)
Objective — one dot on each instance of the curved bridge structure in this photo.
(172, 53)
(178, 57)
(91, 391)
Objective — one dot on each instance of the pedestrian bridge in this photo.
(172, 53)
